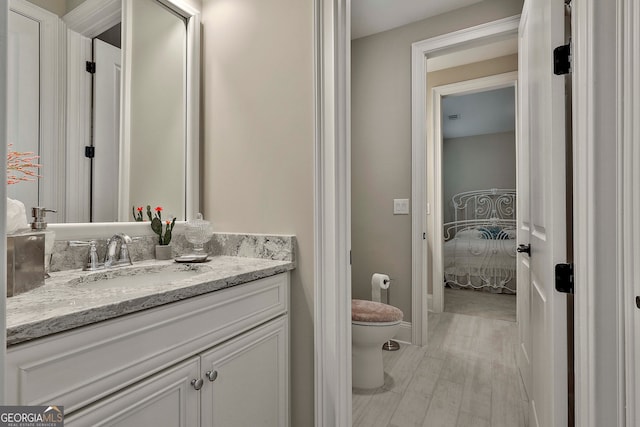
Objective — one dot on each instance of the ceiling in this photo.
(480, 113)
(374, 16)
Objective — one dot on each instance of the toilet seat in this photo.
(365, 312)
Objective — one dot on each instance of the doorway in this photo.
(474, 246)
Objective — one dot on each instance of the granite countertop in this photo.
(69, 299)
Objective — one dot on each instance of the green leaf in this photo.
(149, 213)
(156, 226)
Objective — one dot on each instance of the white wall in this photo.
(477, 163)
(258, 148)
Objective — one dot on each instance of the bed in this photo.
(480, 242)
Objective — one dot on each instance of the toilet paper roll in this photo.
(378, 281)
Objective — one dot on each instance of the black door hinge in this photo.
(91, 67)
(89, 152)
(562, 60)
(350, 260)
(564, 278)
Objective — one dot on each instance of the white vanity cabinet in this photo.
(218, 359)
(246, 380)
(164, 399)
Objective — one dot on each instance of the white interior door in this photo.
(106, 131)
(23, 70)
(523, 310)
(542, 356)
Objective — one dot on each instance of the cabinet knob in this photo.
(212, 375)
(197, 384)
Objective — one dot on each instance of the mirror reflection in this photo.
(127, 148)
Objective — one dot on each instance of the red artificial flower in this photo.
(140, 209)
(168, 222)
(158, 208)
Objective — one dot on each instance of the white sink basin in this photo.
(128, 277)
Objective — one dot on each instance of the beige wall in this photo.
(72, 4)
(258, 157)
(477, 163)
(55, 6)
(381, 143)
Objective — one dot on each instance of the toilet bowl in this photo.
(372, 324)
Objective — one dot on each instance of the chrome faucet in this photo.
(92, 263)
(110, 259)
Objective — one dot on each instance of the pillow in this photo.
(493, 232)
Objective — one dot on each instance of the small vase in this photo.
(163, 252)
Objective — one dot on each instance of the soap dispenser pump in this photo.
(40, 224)
(39, 213)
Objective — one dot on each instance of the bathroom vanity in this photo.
(211, 349)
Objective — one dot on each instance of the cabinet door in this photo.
(166, 399)
(249, 384)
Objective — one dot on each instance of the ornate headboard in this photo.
(493, 203)
(493, 207)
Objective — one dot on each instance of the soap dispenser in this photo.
(40, 224)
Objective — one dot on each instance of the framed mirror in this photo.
(141, 146)
(156, 162)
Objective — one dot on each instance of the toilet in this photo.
(372, 324)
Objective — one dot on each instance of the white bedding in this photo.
(488, 261)
(479, 253)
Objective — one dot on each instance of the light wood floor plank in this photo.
(379, 410)
(468, 420)
(404, 369)
(411, 410)
(426, 376)
(445, 405)
(466, 377)
(454, 369)
(359, 401)
(507, 411)
(476, 397)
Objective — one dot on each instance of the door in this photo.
(166, 399)
(23, 69)
(542, 353)
(246, 379)
(106, 132)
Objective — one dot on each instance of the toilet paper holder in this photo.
(390, 345)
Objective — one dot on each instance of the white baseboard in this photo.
(430, 302)
(404, 333)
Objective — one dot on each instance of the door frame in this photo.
(52, 104)
(421, 186)
(482, 84)
(332, 198)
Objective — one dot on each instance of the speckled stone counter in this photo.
(70, 299)
(274, 247)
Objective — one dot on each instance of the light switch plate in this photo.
(401, 206)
